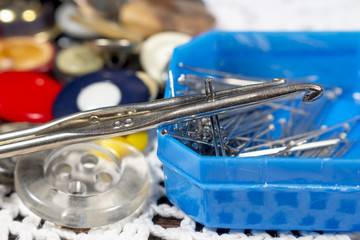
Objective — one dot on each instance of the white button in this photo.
(63, 19)
(98, 95)
(157, 51)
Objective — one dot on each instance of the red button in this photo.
(27, 96)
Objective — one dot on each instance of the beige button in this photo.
(78, 60)
(152, 16)
(157, 51)
(25, 54)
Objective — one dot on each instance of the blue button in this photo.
(105, 88)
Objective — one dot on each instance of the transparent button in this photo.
(84, 185)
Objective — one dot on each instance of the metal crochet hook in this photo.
(130, 118)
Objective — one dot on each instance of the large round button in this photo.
(27, 96)
(105, 88)
(25, 54)
(84, 185)
(106, 93)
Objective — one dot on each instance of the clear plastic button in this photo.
(84, 185)
(7, 165)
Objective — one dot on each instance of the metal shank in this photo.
(127, 119)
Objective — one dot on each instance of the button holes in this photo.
(89, 161)
(62, 170)
(77, 187)
(103, 181)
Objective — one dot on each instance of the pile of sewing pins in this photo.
(284, 128)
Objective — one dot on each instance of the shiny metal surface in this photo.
(7, 167)
(127, 119)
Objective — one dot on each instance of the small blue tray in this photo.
(271, 193)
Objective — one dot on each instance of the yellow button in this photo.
(114, 145)
(138, 140)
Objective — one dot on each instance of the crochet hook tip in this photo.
(315, 91)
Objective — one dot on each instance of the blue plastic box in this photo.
(271, 193)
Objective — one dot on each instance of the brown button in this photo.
(152, 16)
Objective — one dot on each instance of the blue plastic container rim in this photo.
(319, 57)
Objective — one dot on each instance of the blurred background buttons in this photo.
(108, 87)
(156, 52)
(27, 96)
(103, 94)
(25, 18)
(152, 16)
(78, 60)
(25, 54)
(63, 17)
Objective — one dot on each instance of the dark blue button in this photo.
(109, 87)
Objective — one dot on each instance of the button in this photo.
(138, 140)
(157, 50)
(84, 185)
(25, 54)
(105, 93)
(78, 60)
(151, 17)
(105, 88)
(27, 96)
(150, 83)
(67, 25)
(116, 52)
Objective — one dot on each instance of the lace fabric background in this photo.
(160, 219)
